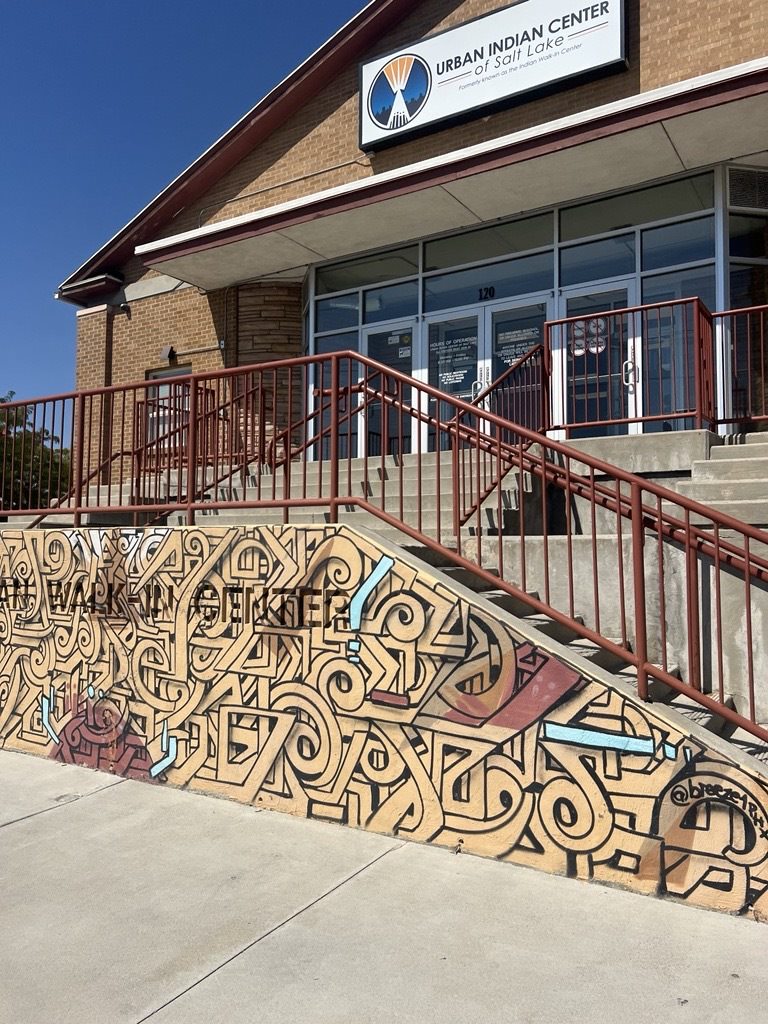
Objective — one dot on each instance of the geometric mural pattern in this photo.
(310, 671)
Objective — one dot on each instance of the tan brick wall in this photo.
(269, 322)
(666, 43)
(269, 326)
(92, 357)
(258, 322)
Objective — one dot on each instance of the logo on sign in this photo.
(399, 91)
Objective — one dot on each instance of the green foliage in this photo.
(34, 466)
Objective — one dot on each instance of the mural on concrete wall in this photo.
(308, 671)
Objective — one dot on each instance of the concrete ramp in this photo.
(317, 671)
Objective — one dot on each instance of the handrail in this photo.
(626, 310)
(558, 447)
(529, 356)
(744, 347)
(372, 411)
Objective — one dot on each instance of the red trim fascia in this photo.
(376, 191)
(93, 287)
(272, 111)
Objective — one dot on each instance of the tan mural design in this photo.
(307, 670)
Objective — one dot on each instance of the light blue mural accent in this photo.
(382, 568)
(48, 707)
(169, 746)
(599, 739)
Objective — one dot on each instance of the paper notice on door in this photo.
(403, 353)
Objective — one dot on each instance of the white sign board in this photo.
(528, 46)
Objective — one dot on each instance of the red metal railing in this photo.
(744, 340)
(652, 364)
(669, 588)
(659, 583)
(36, 441)
(521, 393)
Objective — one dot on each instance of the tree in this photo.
(34, 464)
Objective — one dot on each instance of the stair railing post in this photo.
(192, 453)
(79, 459)
(638, 574)
(698, 365)
(546, 372)
(334, 452)
(455, 478)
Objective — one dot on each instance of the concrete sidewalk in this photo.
(124, 902)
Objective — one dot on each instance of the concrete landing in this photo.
(124, 902)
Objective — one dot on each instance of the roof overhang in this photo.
(90, 288)
(693, 124)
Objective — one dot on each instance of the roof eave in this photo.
(86, 289)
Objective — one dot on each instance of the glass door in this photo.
(389, 428)
(453, 363)
(597, 367)
(510, 333)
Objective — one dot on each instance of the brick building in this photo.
(609, 155)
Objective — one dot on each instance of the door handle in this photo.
(628, 373)
(477, 387)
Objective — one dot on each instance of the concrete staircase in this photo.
(734, 480)
(596, 655)
(395, 482)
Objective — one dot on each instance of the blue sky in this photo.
(102, 104)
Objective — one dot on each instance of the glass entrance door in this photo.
(511, 332)
(453, 363)
(466, 353)
(389, 429)
(597, 361)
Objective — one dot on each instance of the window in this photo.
(495, 281)
(167, 407)
(348, 370)
(488, 243)
(749, 237)
(659, 202)
(385, 266)
(337, 313)
(681, 284)
(687, 242)
(749, 286)
(594, 261)
(391, 303)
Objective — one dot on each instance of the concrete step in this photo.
(555, 630)
(755, 450)
(251, 517)
(17, 522)
(659, 692)
(730, 469)
(509, 603)
(758, 437)
(695, 712)
(603, 658)
(746, 742)
(753, 512)
(61, 521)
(709, 491)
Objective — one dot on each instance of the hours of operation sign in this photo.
(512, 51)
